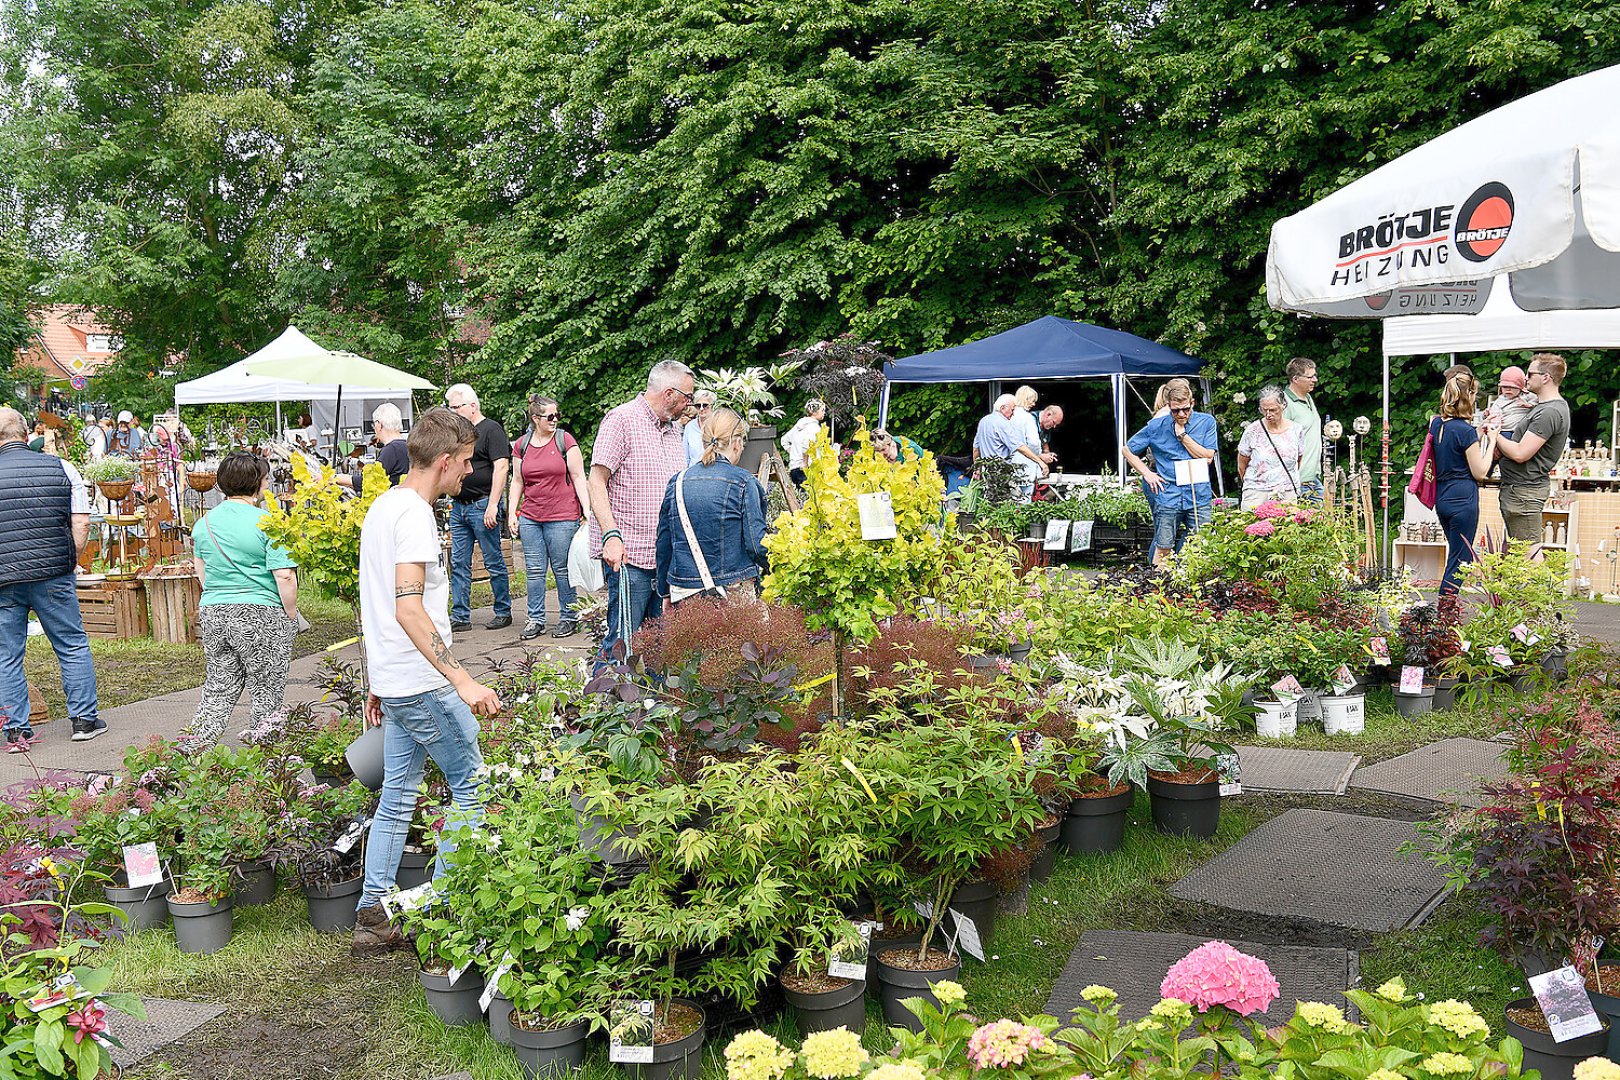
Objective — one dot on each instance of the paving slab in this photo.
(1305, 772)
(1133, 965)
(1451, 770)
(1340, 869)
(166, 1021)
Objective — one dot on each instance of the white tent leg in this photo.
(1119, 423)
(883, 407)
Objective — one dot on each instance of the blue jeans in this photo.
(1459, 519)
(645, 603)
(1171, 527)
(467, 525)
(547, 542)
(436, 724)
(56, 602)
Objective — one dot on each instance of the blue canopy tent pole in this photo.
(1120, 425)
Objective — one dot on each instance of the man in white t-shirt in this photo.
(420, 694)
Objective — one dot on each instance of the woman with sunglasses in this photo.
(548, 500)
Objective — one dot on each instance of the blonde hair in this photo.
(720, 428)
(1161, 399)
(1177, 390)
(1457, 400)
(1552, 366)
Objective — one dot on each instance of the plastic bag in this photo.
(584, 572)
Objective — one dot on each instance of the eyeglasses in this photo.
(1533, 374)
(689, 397)
(704, 405)
(546, 416)
(461, 405)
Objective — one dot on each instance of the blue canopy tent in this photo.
(1048, 348)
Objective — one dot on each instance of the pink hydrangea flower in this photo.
(1260, 528)
(1002, 1043)
(1269, 509)
(1301, 517)
(1217, 974)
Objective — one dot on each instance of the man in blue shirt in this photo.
(1179, 510)
(1000, 436)
(692, 433)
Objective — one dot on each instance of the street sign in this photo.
(79, 382)
(78, 365)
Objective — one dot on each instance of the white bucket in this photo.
(1276, 719)
(1345, 715)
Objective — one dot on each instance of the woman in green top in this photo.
(249, 612)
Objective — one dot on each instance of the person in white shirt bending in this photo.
(799, 437)
(420, 694)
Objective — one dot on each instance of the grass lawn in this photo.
(140, 668)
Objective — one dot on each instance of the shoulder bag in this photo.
(1286, 470)
(1423, 484)
(302, 623)
(691, 537)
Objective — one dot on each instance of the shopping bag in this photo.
(1423, 484)
(584, 572)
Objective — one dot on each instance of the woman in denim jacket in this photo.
(725, 514)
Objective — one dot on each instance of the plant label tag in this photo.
(494, 982)
(1521, 633)
(1080, 536)
(1565, 1003)
(1191, 471)
(410, 899)
(847, 959)
(877, 516)
(630, 1032)
(1057, 535)
(141, 864)
(1411, 679)
(59, 991)
(1500, 656)
(1343, 681)
(1287, 688)
(923, 908)
(351, 836)
(967, 936)
(1229, 767)
(1380, 650)
(457, 972)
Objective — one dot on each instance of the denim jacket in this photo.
(727, 508)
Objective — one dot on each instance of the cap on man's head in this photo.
(1513, 376)
(126, 417)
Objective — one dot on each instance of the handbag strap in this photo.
(691, 535)
(1286, 470)
(209, 529)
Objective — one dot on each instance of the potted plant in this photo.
(1099, 758)
(617, 738)
(751, 393)
(953, 790)
(114, 475)
(200, 904)
(845, 374)
(321, 840)
(107, 823)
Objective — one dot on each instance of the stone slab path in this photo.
(1339, 869)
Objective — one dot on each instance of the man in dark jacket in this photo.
(44, 520)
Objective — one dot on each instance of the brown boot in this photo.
(374, 935)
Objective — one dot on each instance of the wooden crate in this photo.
(174, 599)
(113, 609)
(37, 713)
(478, 571)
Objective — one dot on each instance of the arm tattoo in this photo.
(441, 653)
(408, 590)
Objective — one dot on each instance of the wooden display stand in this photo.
(37, 713)
(113, 609)
(479, 573)
(175, 596)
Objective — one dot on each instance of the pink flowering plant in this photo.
(1303, 553)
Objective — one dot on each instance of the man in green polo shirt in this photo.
(1300, 407)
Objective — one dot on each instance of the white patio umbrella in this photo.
(1526, 197)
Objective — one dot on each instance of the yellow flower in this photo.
(834, 1055)
(1444, 1064)
(949, 993)
(1174, 1010)
(1459, 1018)
(1394, 990)
(1385, 1074)
(754, 1055)
(1596, 1068)
(1321, 1015)
(1098, 995)
(903, 1070)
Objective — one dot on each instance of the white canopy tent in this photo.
(1502, 324)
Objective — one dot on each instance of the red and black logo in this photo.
(1484, 221)
(1378, 301)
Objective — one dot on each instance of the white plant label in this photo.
(410, 899)
(1080, 536)
(967, 936)
(457, 972)
(1411, 679)
(1287, 687)
(1565, 1003)
(847, 959)
(1229, 767)
(1057, 535)
(1380, 650)
(351, 836)
(877, 516)
(1343, 681)
(1191, 471)
(141, 864)
(630, 1032)
(923, 908)
(493, 984)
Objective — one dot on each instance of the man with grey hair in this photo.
(638, 449)
(44, 522)
(692, 434)
(999, 435)
(389, 425)
(475, 514)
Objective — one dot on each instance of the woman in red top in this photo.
(548, 500)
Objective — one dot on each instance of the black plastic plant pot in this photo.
(1041, 869)
(897, 984)
(1555, 1060)
(679, 1060)
(1556, 665)
(1607, 1003)
(597, 836)
(331, 907)
(1445, 692)
(415, 868)
(554, 1052)
(1097, 825)
(147, 906)
(840, 1007)
(202, 927)
(977, 901)
(500, 1018)
(255, 884)
(1185, 809)
(1411, 705)
(455, 1006)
